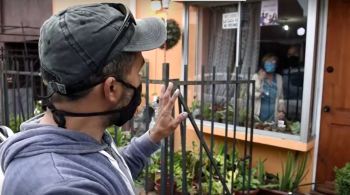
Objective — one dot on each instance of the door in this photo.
(335, 119)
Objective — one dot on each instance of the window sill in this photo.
(276, 139)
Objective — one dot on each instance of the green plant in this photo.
(206, 111)
(38, 109)
(191, 170)
(15, 122)
(293, 173)
(153, 168)
(342, 180)
(123, 137)
(173, 34)
(195, 104)
(260, 171)
(295, 127)
(242, 173)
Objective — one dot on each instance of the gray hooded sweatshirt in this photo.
(44, 159)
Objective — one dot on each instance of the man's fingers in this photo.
(173, 99)
(166, 95)
(181, 117)
(168, 90)
(162, 91)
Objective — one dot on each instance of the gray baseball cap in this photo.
(77, 42)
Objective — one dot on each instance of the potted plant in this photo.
(342, 180)
(150, 178)
(293, 173)
(246, 188)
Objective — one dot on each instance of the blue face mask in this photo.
(269, 67)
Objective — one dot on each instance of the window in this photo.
(272, 41)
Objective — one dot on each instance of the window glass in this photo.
(272, 47)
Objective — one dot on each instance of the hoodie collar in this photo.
(35, 139)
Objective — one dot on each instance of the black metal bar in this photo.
(18, 97)
(1, 84)
(42, 89)
(24, 73)
(1, 16)
(185, 80)
(171, 161)
(183, 153)
(183, 137)
(171, 156)
(27, 115)
(6, 95)
(164, 147)
(204, 145)
(14, 86)
(147, 119)
(24, 54)
(236, 94)
(14, 34)
(245, 141)
(212, 130)
(15, 27)
(288, 91)
(201, 134)
(31, 68)
(205, 82)
(226, 121)
(251, 133)
(297, 98)
(246, 156)
(20, 56)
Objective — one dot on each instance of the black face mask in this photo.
(118, 116)
(124, 114)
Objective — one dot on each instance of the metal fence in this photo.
(20, 83)
(222, 173)
(206, 170)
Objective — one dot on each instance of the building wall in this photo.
(274, 156)
(58, 5)
(157, 57)
(30, 13)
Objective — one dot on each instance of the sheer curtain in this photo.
(250, 37)
(222, 46)
(221, 50)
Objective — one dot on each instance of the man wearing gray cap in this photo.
(90, 61)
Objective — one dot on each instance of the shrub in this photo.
(342, 180)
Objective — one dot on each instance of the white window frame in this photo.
(309, 68)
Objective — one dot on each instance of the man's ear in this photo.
(112, 90)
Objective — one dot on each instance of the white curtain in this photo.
(221, 50)
(250, 37)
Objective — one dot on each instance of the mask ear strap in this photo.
(57, 115)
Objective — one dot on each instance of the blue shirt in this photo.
(268, 100)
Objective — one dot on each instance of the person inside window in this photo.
(269, 102)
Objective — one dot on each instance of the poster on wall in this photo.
(269, 13)
(165, 3)
(230, 20)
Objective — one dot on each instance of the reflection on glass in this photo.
(272, 45)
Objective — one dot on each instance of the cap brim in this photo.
(150, 33)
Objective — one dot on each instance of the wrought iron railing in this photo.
(21, 86)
